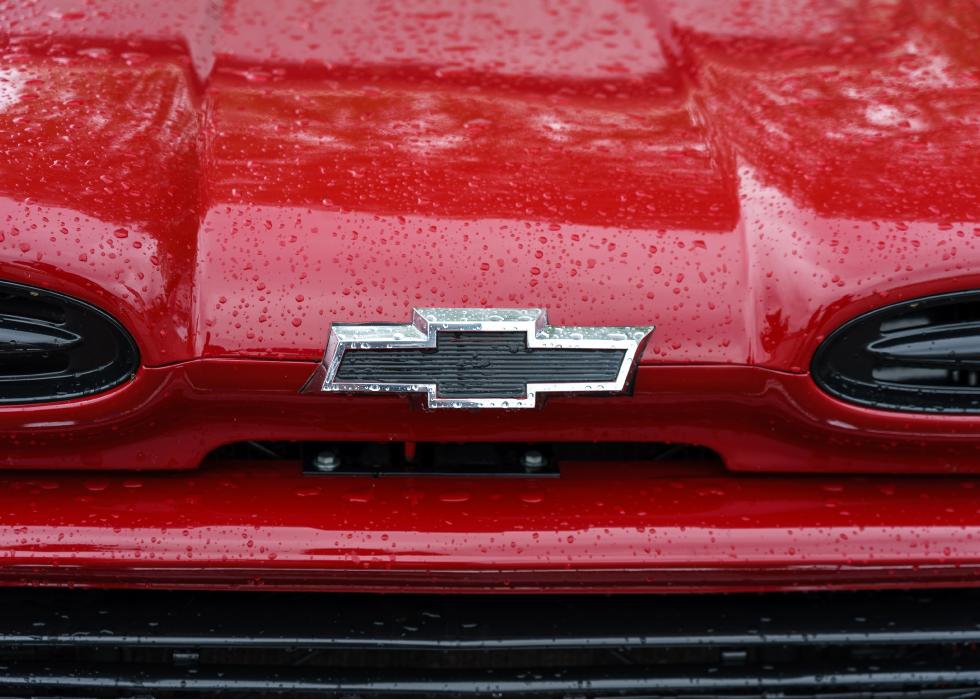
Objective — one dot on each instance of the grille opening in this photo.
(30, 305)
(927, 312)
(53, 347)
(464, 458)
(33, 364)
(152, 643)
(917, 356)
(922, 376)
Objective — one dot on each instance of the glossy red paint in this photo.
(600, 526)
(744, 176)
(756, 419)
(228, 191)
(230, 179)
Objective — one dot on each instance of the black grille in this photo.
(160, 644)
(53, 347)
(476, 364)
(917, 356)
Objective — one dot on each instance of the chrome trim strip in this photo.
(427, 322)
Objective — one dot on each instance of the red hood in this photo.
(744, 176)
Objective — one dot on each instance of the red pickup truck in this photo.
(582, 301)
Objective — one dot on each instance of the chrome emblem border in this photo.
(428, 322)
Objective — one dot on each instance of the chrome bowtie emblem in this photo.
(478, 358)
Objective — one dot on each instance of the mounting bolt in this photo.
(532, 460)
(326, 461)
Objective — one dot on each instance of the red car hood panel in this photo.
(744, 178)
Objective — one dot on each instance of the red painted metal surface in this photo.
(602, 526)
(746, 178)
(756, 419)
(229, 179)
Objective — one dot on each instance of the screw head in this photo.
(532, 460)
(326, 461)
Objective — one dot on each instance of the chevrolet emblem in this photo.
(478, 358)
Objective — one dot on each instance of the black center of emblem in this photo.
(480, 364)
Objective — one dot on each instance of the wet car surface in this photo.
(311, 297)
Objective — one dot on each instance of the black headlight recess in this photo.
(53, 347)
(921, 355)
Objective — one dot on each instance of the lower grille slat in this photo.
(487, 683)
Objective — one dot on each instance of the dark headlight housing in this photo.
(921, 355)
(53, 347)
